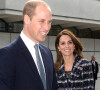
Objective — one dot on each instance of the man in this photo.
(19, 68)
(95, 68)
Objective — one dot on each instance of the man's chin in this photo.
(42, 40)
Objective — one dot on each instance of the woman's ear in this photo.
(74, 47)
(58, 48)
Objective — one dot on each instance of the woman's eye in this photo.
(70, 42)
(62, 43)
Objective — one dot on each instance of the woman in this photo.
(72, 70)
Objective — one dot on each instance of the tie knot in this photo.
(36, 46)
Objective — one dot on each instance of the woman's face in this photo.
(66, 45)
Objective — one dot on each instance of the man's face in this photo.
(40, 24)
(93, 58)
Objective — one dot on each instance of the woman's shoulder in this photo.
(82, 61)
(85, 63)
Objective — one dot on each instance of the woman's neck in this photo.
(68, 62)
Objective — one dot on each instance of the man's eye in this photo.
(41, 21)
(50, 22)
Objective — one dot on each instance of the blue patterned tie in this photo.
(40, 66)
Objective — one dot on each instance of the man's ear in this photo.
(26, 19)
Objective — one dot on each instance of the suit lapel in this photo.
(25, 52)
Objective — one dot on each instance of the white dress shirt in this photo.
(30, 45)
(93, 63)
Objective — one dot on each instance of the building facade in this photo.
(82, 17)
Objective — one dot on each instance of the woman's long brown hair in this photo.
(78, 47)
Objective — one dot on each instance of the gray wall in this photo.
(87, 10)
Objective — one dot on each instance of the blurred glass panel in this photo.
(2, 26)
(15, 27)
(85, 33)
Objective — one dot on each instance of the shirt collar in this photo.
(28, 42)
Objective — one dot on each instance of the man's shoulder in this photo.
(96, 62)
(43, 46)
(9, 48)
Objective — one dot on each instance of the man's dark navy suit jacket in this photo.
(18, 70)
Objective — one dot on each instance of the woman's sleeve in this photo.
(88, 80)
